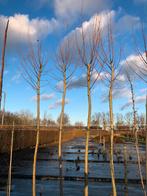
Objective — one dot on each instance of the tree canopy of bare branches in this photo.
(141, 71)
(63, 73)
(110, 61)
(33, 67)
(87, 46)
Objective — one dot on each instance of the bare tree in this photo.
(3, 61)
(33, 65)
(135, 128)
(110, 60)
(87, 45)
(128, 119)
(119, 120)
(96, 119)
(66, 119)
(79, 124)
(105, 120)
(63, 74)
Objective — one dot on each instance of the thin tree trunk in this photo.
(146, 141)
(125, 171)
(3, 61)
(88, 130)
(3, 111)
(60, 136)
(139, 164)
(112, 134)
(136, 136)
(37, 143)
(10, 163)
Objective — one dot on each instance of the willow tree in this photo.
(3, 60)
(87, 42)
(110, 58)
(33, 67)
(64, 70)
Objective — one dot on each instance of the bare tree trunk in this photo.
(88, 130)
(125, 171)
(3, 61)
(33, 65)
(135, 129)
(3, 110)
(111, 133)
(37, 143)
(139, 164)
(60, 136)
(10, 164)
(146, 141)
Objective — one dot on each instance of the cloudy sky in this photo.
(51, 22)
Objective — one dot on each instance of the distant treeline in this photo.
(27, 118)
(22, 118)
(98, 119)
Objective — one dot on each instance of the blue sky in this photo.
(51, 20)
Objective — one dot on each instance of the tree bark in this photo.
(111, 132)
(37, 141)
(3, 61)
(60, 136)
(88, 130)
(146, 141)
(125, 171)
(136, 136)
(10, 163)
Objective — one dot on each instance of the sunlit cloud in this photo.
(44, 97)
(58, 103)
(138, 99)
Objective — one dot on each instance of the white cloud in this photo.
(138, 99)
(22, 28)
(71, 9)
(134, 65)
(44, 97)
(118, 93)
(58, 103)
(81, 82)
(74, 83)
(88, 28)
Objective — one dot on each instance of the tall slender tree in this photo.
(110, 60)
(33, 67)
(135, 128)
(87, 45)
(64, 70)
(3, 61)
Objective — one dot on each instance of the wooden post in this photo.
(10, 163)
